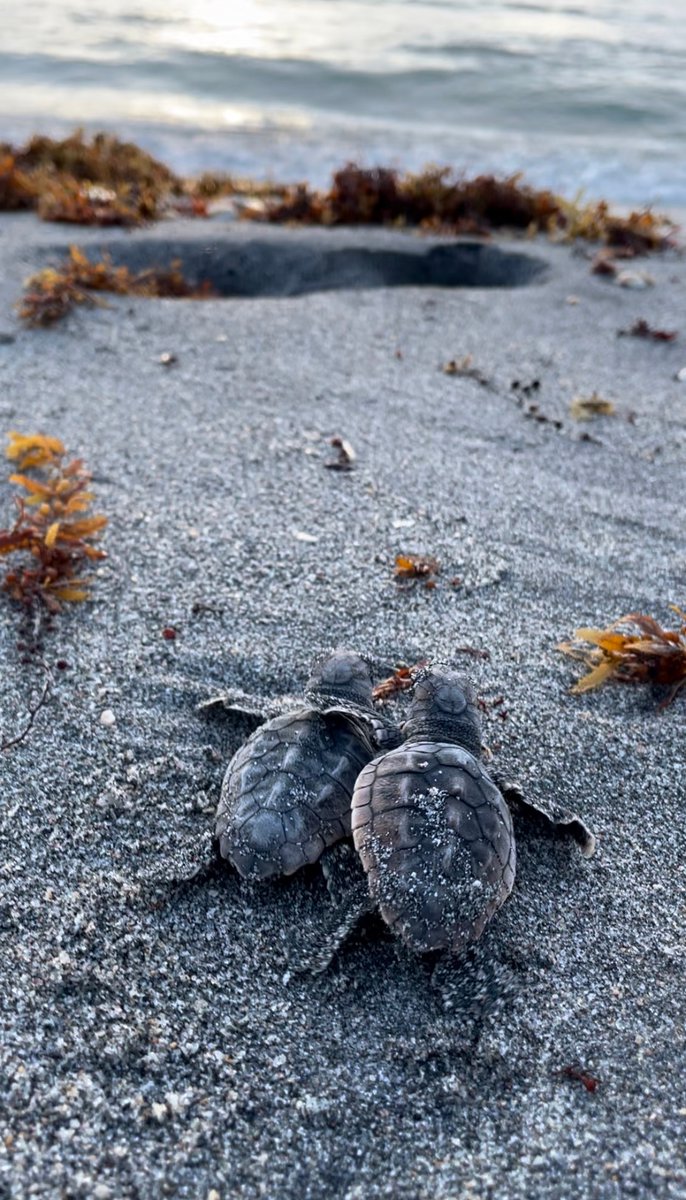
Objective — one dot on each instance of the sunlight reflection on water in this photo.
(591, 91)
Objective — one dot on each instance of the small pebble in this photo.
(681, 375)
(107, 717)
(635, 279)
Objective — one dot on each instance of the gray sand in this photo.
(154, 1041)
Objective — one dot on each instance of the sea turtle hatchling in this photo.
(432, 828)
(287, 792)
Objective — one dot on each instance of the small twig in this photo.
(34, 709)
(473, 652)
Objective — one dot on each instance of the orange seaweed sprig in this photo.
(52, 530)
(401, 680)
(52, 293)
(634, 649)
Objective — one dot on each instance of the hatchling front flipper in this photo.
(563, 820)
(253, 709)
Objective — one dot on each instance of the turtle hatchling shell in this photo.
(287, 793)
(435, 839)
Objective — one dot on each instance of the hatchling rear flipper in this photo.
(472, 985)
(192, 863)
(313, 951)
(484, 981)
(562, 819)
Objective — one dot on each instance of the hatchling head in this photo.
(444, 709)
(343, 677)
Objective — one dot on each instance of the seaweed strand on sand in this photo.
(53, 292)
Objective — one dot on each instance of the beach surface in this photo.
(155, 1041)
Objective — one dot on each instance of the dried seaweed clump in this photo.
(401, 680)
(431, 199)
(411, 568)
(52, 533)
(97, 181)
(643, 329)
(638, 233)
(54, 291)
(67, 201)
(436, 199)
(17, 190)
(634, 649)
(102, 159)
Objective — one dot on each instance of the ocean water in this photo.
(578, 94)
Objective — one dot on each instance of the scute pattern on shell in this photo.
(287, 793)
(435, 839)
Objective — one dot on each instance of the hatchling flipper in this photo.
(562, 819)
(474, 985)
(313, 951)
(253, 709)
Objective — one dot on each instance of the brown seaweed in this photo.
(17, 190)
(401, 680)
(643, 329)
(435, 199)
(412, 568)
(103, 180)
(580, 1075)
(54, 291)
(93, 181)
(634, 649)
